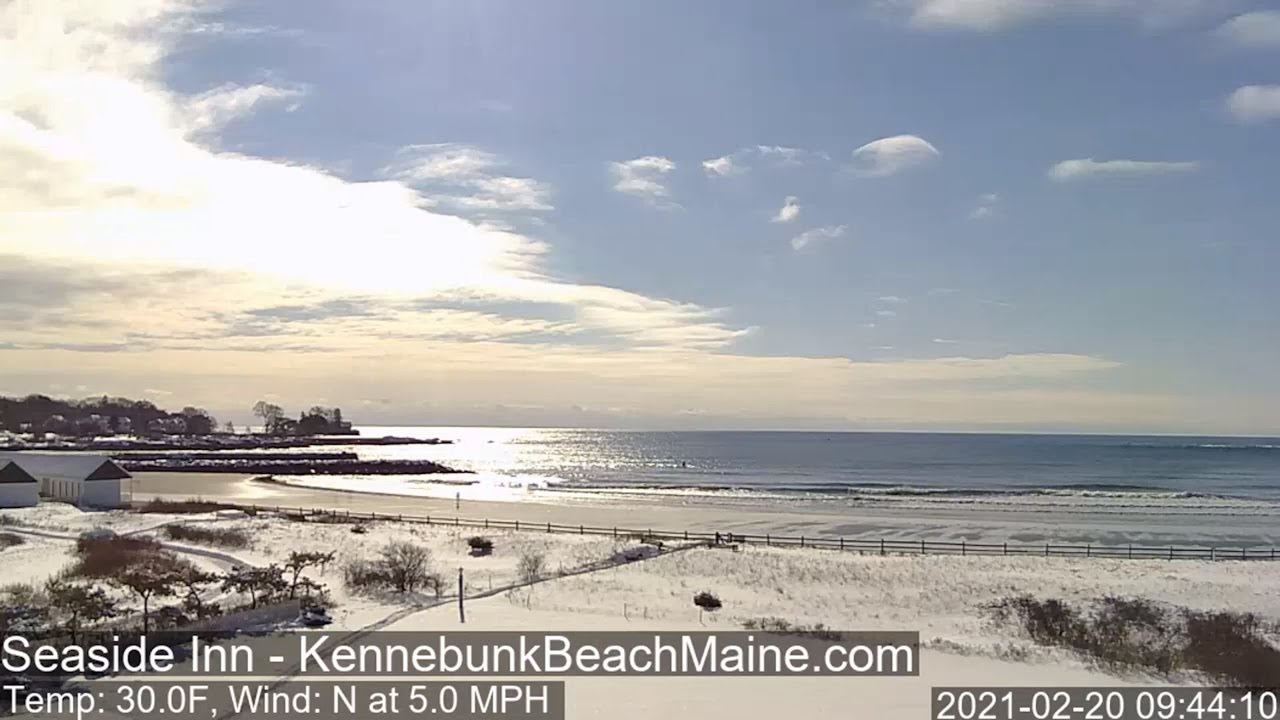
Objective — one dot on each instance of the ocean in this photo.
(881, 469)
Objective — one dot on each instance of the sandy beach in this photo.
(974, 523)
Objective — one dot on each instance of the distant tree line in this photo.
(316, 421)
(100, 416)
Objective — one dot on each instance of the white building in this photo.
(78, 478)
(17, 487)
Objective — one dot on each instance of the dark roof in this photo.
(11, 472)
(67, 466)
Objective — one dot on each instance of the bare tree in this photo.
(408, 566)
(531, 565)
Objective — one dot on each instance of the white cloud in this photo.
(215, 108)
(892, 299)
(992, 15)
(1255, 103)
(467, 178)
(643, 177)
(986, 207)
(945, 341)
(789, 211)
(740, 161)
(810, 237)
(891, 155)
(1253, 30)
(1089, 168)
(723, 167)
(886, 313)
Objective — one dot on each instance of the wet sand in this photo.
(678, 514)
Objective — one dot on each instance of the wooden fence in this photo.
(862, 545)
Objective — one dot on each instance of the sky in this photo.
(990, 215)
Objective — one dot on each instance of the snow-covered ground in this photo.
(942, 597)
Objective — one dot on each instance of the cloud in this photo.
(945, 341)
(467, 178)
(1254, 104)
(740, 161)
(993, 15)
(1253, 31)
(986, 207)
(1089, 168)
(789, 211)
(886, 313)
(642, 177)
(892, 299)
(724, 166)
(892, 155)
(817, 235)
(215, 108)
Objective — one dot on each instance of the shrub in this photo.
(217, 537)
(778, 626)
(1230, 648)
(8, 540)
(364, 576)
(707, 601)
(24, 608)
(190, 506)
(407, 565)
(108, 556)
(531, 566)
(480, 545)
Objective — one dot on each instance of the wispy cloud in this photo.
(1255, 104)
(466, 177)
(809, 238)
(992, 15)
(643, 177)
(892, 155)
(945, 341)
(886, 313)
(892, 299)
(1088, 168)
(215, 108)
(741, 161)
(789, 211)
(986, 207)
(1253, 31)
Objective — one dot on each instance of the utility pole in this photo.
(462, 613)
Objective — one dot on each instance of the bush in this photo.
(407, 565)
(707, 601)
(778, 626)
(190, 506)
(1230, 648)
(217, 537)
(8, 540)
(105, 557)
(480, 545)
(531, 566)
(364, 576)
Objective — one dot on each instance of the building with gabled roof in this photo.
(79, 478)
(18, 488)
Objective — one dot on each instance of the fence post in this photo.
(1088, 550)
(841, 542)
(1046, 549)
(462, 615)
(1006, 548)
(963, 549)
(1273, 553)
(582, 530)
(1170, 552)
(615, 532)
(922, 552)
(881, 546)
(1211, 554)
(428, 519)
(1130, 551)
(801, 541)
(517, 525)
(686, 534)
(486, 523)
(548, 527)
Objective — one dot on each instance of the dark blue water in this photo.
(870, 463)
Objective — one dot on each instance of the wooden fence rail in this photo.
(862, 545)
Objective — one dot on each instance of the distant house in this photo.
(78, 478)
(17, 486)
